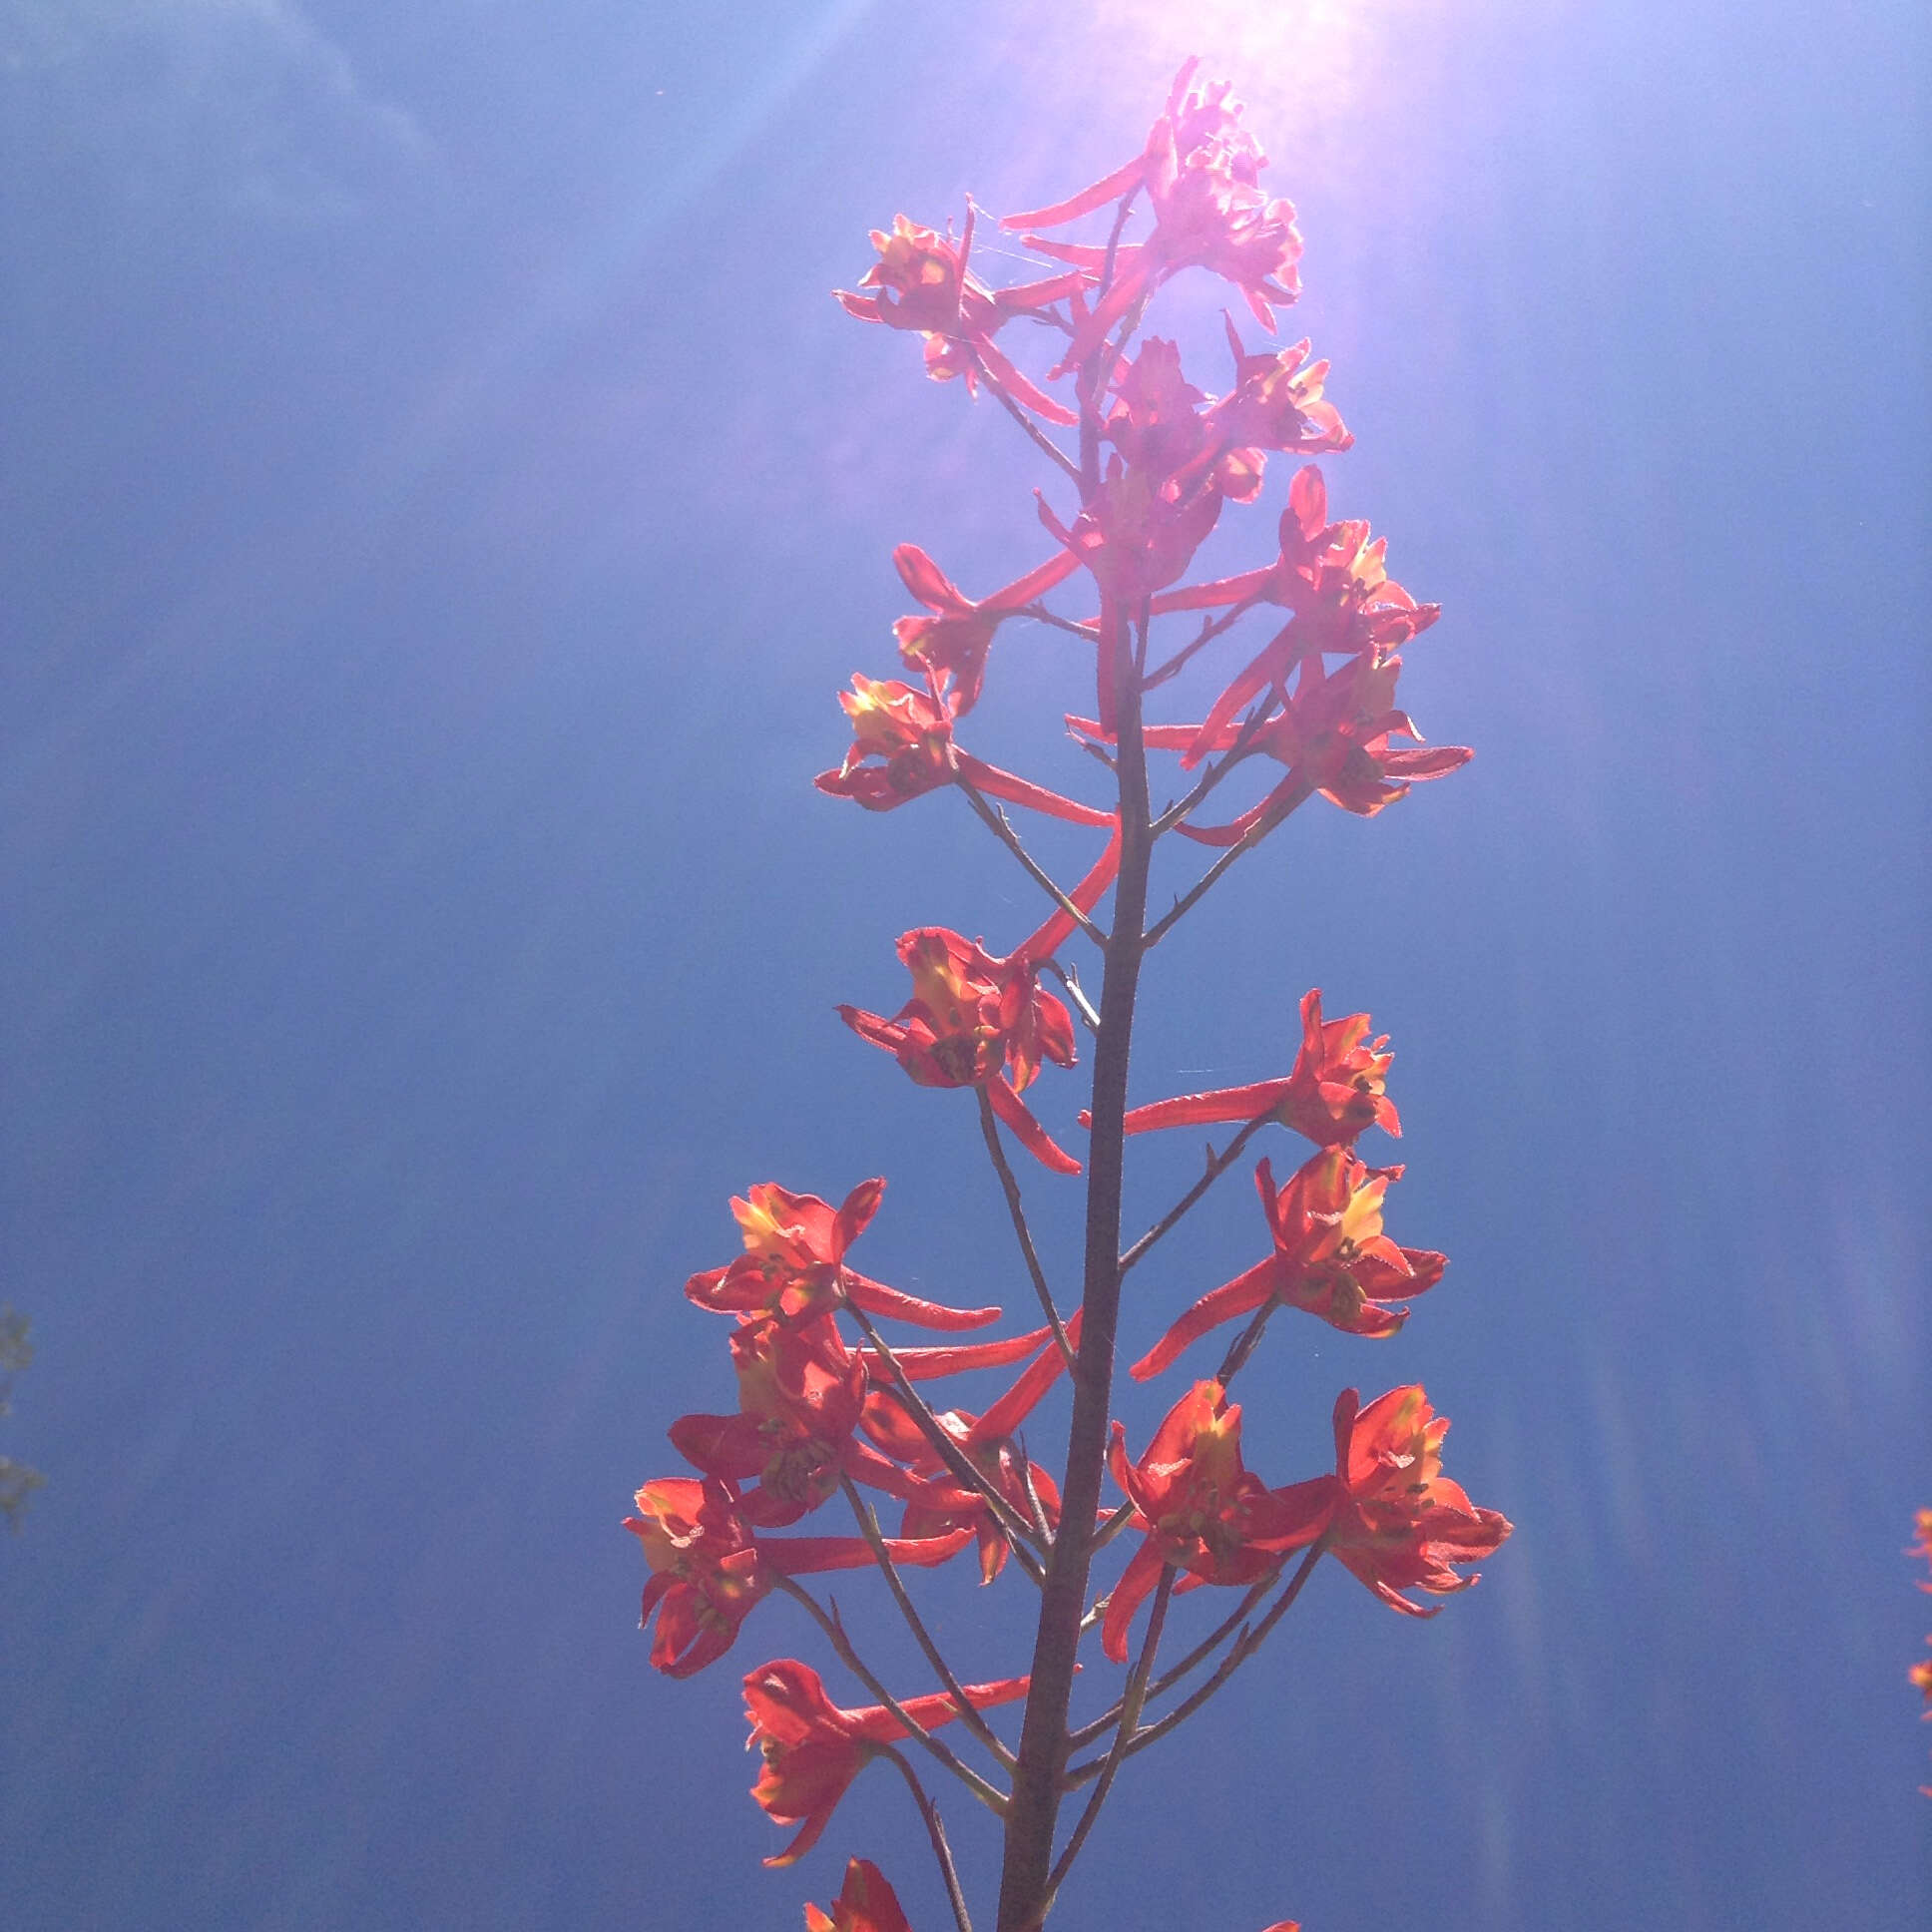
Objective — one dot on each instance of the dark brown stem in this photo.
(1202, 1652)
(989, 1127)
(1034, 1811)
(1211, 629)
(1041, 614)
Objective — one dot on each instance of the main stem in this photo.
(1034, 1808)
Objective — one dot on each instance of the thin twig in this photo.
(1244, 1345)
(1131, 1704)
(1217, 1165)
(1216, 772)
(1211, 629)
(987, 1795)
(1114, 238)
(1160, 928)
(936, 1832)
(989, 1127)
(1032, 1489)
(1245, 1648)
(1041, 440)
(1111, 1528)
(1041, 614)
(1018, 1531)
(996, 822)
(1071, 980)
(869, 1527)
(1202, 1652)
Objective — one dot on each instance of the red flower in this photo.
(952, 643)
(794, 1263)
(910, 734)
(813, 1750)
(867, 1904)
(800, 1395)
(923, 284)
(1201, 1510)
(977, 1020)
(939, 1506)
(1192, 117)
(1398, 1523)
(708, 1571)
(1335, 581)
(1333, 736)
(1331, 1258)
(1160, 496)
(1201, 170)
(1275, 404)
(1335, 1088)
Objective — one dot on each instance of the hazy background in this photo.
(439, 504)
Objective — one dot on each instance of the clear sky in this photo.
(438, 502)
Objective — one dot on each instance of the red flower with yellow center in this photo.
(1337, 1087)
(793, 1262)
(1201, 1510)
(709, 1572)
(920, 283)
(979, 1020)
(812, 1748)
(950, 644)
(1331, 1258)
(1398, 1523)
(902, 747)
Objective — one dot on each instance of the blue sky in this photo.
(441, 502)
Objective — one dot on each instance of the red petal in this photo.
(1026, 1130)
(1241, 1296)
(877, 1299)
(1202, 1110)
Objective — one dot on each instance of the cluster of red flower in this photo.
(823, 1411)
(1921, 1673)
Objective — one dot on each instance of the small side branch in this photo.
(869, 1527)
(1071, 980)
(989, 1127)
(1131, 1705)
(1217, 1165)
(1183, 905)
(988, 1796)
(1041, 614)
(1019, 1532)
(936, 1832)
(1244, 1647)
(1243, 1344)
(1211, 629)
(995, 821)
(1221, 766)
